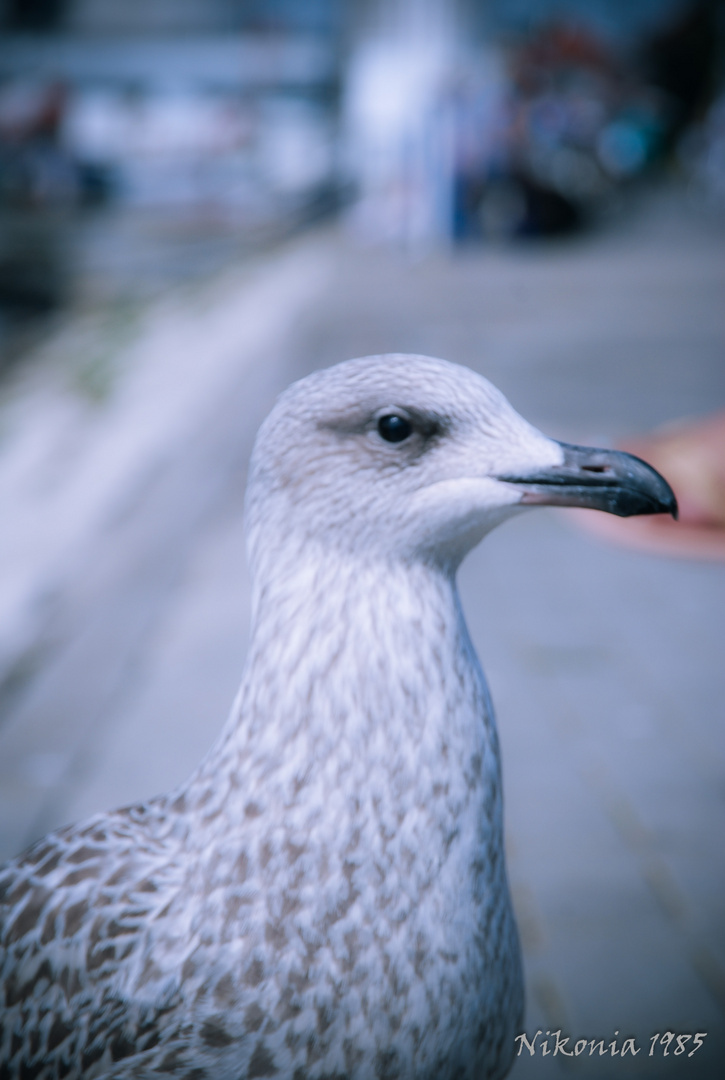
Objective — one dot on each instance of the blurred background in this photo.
(149, 142)
(201, 200)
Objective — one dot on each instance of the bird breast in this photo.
(358, 839)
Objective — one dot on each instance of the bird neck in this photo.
(358, 673)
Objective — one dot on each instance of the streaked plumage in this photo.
(326, 896)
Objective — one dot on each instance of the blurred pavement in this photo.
(124, 633)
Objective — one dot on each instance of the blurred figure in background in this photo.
(398, 122)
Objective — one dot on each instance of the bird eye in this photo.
(394, 428)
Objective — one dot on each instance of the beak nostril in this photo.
(596, 468)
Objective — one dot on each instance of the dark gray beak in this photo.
(607, 480)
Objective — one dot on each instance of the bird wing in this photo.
(75, 909)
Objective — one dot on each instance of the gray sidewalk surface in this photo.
(124, 603)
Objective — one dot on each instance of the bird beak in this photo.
(607, 480)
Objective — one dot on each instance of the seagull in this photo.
(326, 896)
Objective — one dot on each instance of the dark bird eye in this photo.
(394, 428)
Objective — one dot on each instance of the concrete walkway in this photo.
(124, 645)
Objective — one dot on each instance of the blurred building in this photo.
(173, 101)
(203, 120)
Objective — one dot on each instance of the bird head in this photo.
(416, 458)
